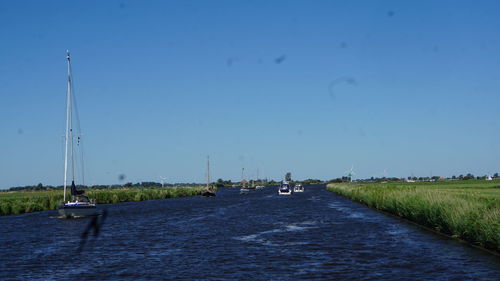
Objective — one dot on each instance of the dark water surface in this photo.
(259, 236)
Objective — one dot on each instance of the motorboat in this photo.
(298, 188)
(284, 188)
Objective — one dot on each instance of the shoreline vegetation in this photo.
(19, 202)
(466, 210)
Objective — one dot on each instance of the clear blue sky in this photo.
(309, 87)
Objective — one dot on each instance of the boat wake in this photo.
(396, 230)
(266, 237)
(347, 211)
(314, 198)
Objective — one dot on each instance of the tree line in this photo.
(227, 183)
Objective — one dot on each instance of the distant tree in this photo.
(288, 176)
(312, 181)
(346, 179)
(453, 177)
(495, 175)
(469, 176)
(220, 183)
(337, 180)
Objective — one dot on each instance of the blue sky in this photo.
(310, 87)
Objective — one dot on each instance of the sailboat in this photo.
(259, 186)
(208, 191)
(79, 205)
(243, 189)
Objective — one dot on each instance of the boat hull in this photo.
(284, 189)
(208, 193)
(284, 192)
(77, 211)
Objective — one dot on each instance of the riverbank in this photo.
(467, 210)
(19, 202)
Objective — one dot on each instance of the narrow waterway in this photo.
(258, 236)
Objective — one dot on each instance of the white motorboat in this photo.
(79, 205)
(298, 188)
(284, 188)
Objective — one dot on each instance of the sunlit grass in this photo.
(469, 210)
(18, 202)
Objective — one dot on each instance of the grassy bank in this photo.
(468, 210)
(18, 202)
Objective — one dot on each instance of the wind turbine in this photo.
(162, 180)
(350, 173)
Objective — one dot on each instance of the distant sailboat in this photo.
(243, 189)
(259, 186)
(79, 205)
(208, 191)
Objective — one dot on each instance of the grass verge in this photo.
(18, 202)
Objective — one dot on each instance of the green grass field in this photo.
(468, 210)
(18, 202)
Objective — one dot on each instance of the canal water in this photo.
(258, 236)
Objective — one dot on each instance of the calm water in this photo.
(314, 235)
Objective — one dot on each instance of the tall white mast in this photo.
(68, 124)
(208, 171)
(71, 141)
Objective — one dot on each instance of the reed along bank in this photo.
(18, 202)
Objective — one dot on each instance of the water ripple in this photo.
(258, 236)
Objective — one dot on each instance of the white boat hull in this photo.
(284, 189)
(72, 211)
(298, 188)
(284, 192)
